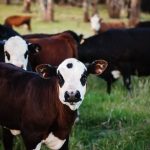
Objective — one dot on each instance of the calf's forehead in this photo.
(71, 66)
(15, 44)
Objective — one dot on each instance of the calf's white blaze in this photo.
(16, 47)
(72, 81)
(53, 142)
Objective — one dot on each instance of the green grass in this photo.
(119, 121)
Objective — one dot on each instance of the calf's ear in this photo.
(46, 71)
(34, 48)
(97, 67)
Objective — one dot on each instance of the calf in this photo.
(43, 108)
(126, 50)
(15, 50)
(17, 21)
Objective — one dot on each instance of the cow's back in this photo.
(116, 45)
(23, 94)
(53, 50)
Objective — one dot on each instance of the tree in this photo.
(47, 10)
(134, 12)
(27, 6)
(94, 7)
(114, 8)
(86, 17)
(8, 2)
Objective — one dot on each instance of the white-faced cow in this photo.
(43, 108)
(15, 50)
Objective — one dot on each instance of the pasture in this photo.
(119, 121)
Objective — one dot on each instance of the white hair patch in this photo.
(16, 47)
(15, 132)
(116, 74)
(95, 22)
(38, 147)
(53, 142)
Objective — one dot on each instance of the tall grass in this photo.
(119, 121)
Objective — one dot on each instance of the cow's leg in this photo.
(28, 23)
(7, 139)
(109, 87)
(127, 81)
(31, 140)
(65, 145)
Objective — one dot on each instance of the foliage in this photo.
(119, 121)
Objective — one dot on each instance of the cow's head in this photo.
(16, 51)
(72, 77)
(95, 22)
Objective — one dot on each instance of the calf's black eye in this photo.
(83, 78)
(7, 55)
(60, 79)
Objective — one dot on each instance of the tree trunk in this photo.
(47, 10)
(134, 12)
(86, 17)
(94, 7)
(27, 6)
(8, 2)
(114, 8)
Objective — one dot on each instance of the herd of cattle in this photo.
(43, 78)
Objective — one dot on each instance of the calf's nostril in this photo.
(66, 96)
(77, 95)
(72, 96)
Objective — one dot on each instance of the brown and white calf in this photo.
(16, 50)
(42, 106)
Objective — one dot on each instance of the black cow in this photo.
(7, 32)
(43, 109)
(127, 52)
(143, 24)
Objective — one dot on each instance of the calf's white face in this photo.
(15, 49)
(72, 76)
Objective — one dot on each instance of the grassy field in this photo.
(119, 121)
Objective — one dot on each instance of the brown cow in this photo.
(17, 21)
(54, 49)
(99, 26)
(43, 109)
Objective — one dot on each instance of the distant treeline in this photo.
(145, 4)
